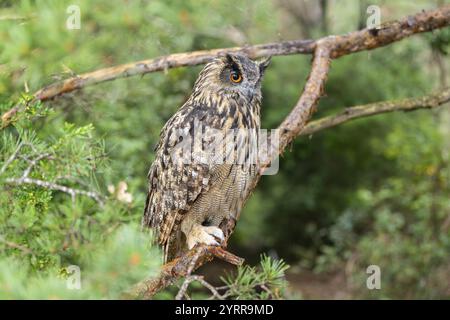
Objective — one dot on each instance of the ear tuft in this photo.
(263, 64)
(231, 61)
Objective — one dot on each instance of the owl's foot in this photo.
(204, 235)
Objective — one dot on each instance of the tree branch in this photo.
(25, 179)
(54, 186)
(161, 63)
(15, 245)
(306, 105)
(426, 102)
(210, 287)
(182, 292)
(181, 267)
(365, 39)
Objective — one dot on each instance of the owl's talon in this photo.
(204, 235)
(216, 232)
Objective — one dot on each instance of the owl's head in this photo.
(232, 75)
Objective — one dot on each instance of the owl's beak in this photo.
(263, 64)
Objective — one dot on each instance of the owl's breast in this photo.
(228, 191)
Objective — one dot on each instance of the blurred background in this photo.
(374, 191)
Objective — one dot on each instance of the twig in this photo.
(411, 104)
(11, 158)
(266, 289)
(15, 17)
(224, 255)
(25, 179)
(181, 293)
(15, 245)
(214, 291)
(54, 186)
(365, 39)
(306, 105)
(33, 163)
(178, 268)
(15, 155)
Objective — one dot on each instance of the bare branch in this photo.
(54, 186)
(15, 245)
(25, 179)
(181, 293)
(215, 251)
(210, 287)
(11, 158)
(162, 63)
(178, 268)
(411, 104)
(33, 163)
(365, 39)
(306, 105)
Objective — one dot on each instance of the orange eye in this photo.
(235, 77)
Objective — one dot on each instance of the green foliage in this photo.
(372, 191)
(45, 229)
(402, 225)
(36, 217)
(265, 282)
(110, 270)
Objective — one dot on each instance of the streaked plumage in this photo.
(187, 202)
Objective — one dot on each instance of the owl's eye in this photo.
(235, 76)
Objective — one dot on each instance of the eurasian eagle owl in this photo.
(189, 197)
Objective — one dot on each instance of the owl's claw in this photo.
(204, 235)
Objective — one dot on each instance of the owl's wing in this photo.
(174, 186)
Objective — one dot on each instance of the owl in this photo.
(204, 161)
